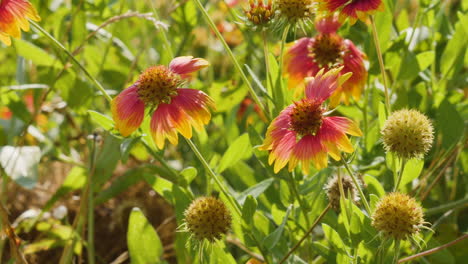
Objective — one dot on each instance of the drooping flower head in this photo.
(407, 133)
(303, 133)
(14, 15)
(207, 218)
(326, 50)
(333, 191)
(398, 216)
(353, 9)
(174, 109)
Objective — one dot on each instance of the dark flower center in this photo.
(327, 50)
(157, 85)
(307, 117)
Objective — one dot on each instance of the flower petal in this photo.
(309, 148)
(186, 65)
(161, 126)
(333, 133)
(323, 85)
(328, 24)
(14, 16)
(298, 64)
(196, 104)
(128, 111)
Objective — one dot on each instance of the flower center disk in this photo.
(158, 85)
(306, 117)
(327, 50)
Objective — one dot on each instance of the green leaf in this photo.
(119, 185)
(21, 164)
(425, 59)
(37, 55)
(382, 115)
(248, 209)
(104, 121)
(239, 149)
(126, 147)
(255, 191)
(189, 174)
(413, 168)
(144, 245)
(272, 239)
(334, 238)
(455, 48)
(450, 124)
(75, 180)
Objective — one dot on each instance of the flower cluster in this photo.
(307, 56)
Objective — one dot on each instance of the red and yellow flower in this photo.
(326, 50)
(303, 133)
(14, 15)
(353, 9)
(174, 109)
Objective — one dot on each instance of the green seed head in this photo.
(398, 216)
(207, 218)
(408, 133)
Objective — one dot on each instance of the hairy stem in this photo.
(358, 186)
(381, 63)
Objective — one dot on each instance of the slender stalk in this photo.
(446, 207)
(298, 197)
(434, 250)
(213, 175)
(90, 247)
(280, 67)
(356, 183)
(319, 218)
(231, 56)
(397, 251)
(381, 63)
(400, 174)
(167, 44)
(269, 82)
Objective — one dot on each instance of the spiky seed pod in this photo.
(398, 216)
(207, 218)
(408, 133)
(260, 13)
(295, 10)
(333, 191)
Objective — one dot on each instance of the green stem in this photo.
(448, 206)
(280, 67)
(231, 55)
(358, 186)
(400, 174)
(269, 82)
(90, 247)
(167, 44)
(298, 197)
(397, 251)
(319, 218)
(77, 63)
(213, 175)
(342, 194)
(381, 63)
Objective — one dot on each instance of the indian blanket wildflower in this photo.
(407, 133)
(398, 216)
(207, 218)
(174, 109)
(326, 50)
(303, 133)
(14, 15)
(353, 9)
